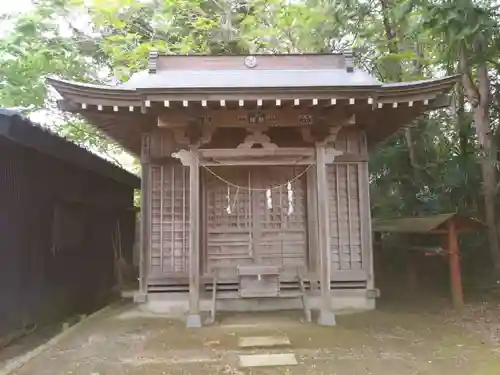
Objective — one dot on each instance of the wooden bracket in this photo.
(332, 135)
(330, 154)
(185, 157)
(329, 138)
(194, 135)
(257, 137)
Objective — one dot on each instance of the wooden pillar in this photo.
(312, 228)
(194, 319)
(145, 217)
(454, 261)
(326, 316)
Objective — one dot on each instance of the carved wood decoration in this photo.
(350, 141)
(257, 138)
(272, 117)
(196, 132)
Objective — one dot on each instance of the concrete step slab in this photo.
(267, 360)
(263, 341)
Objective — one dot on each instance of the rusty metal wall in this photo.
(38, 284)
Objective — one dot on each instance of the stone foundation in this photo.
(177, 304)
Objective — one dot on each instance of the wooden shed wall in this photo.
(37, 282)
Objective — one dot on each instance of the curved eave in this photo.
(84, 93)
(125, 129)
(417, 89)
(388, 120)
(102, 96)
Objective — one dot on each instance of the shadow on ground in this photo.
(387, 341)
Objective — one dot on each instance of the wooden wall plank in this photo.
(365, 224)
(145, 213)
(145, 225)
(347, 247)
(162, 193)
(169, 224)
(349, 214)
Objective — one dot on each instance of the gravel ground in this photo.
(383, 342)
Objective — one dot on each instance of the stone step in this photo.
(267, 360)
(263, 341)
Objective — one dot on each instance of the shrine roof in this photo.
(243, 79)
(199, 72)
(186, 82)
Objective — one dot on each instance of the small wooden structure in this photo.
(255, 176)
(447, 225)
(59, 209)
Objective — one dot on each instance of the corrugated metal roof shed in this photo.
(21, 130)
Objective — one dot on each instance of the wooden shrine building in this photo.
(255, 179)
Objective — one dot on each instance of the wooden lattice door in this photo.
(280, 217)
(253, 216)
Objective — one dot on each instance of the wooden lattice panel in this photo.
(259, 228)
(228, 218)
(169, 232)
(282, 223)
(345, 217)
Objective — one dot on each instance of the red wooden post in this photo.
(454, 261)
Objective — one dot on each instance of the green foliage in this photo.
(394, 40)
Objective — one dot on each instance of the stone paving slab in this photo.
(267, 360)
(263, 341)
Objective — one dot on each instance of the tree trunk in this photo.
(488, 159)
(395, 73)
(479, 95)
(463, 131)
(489, 174)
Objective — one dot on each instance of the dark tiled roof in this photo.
(21, 130)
